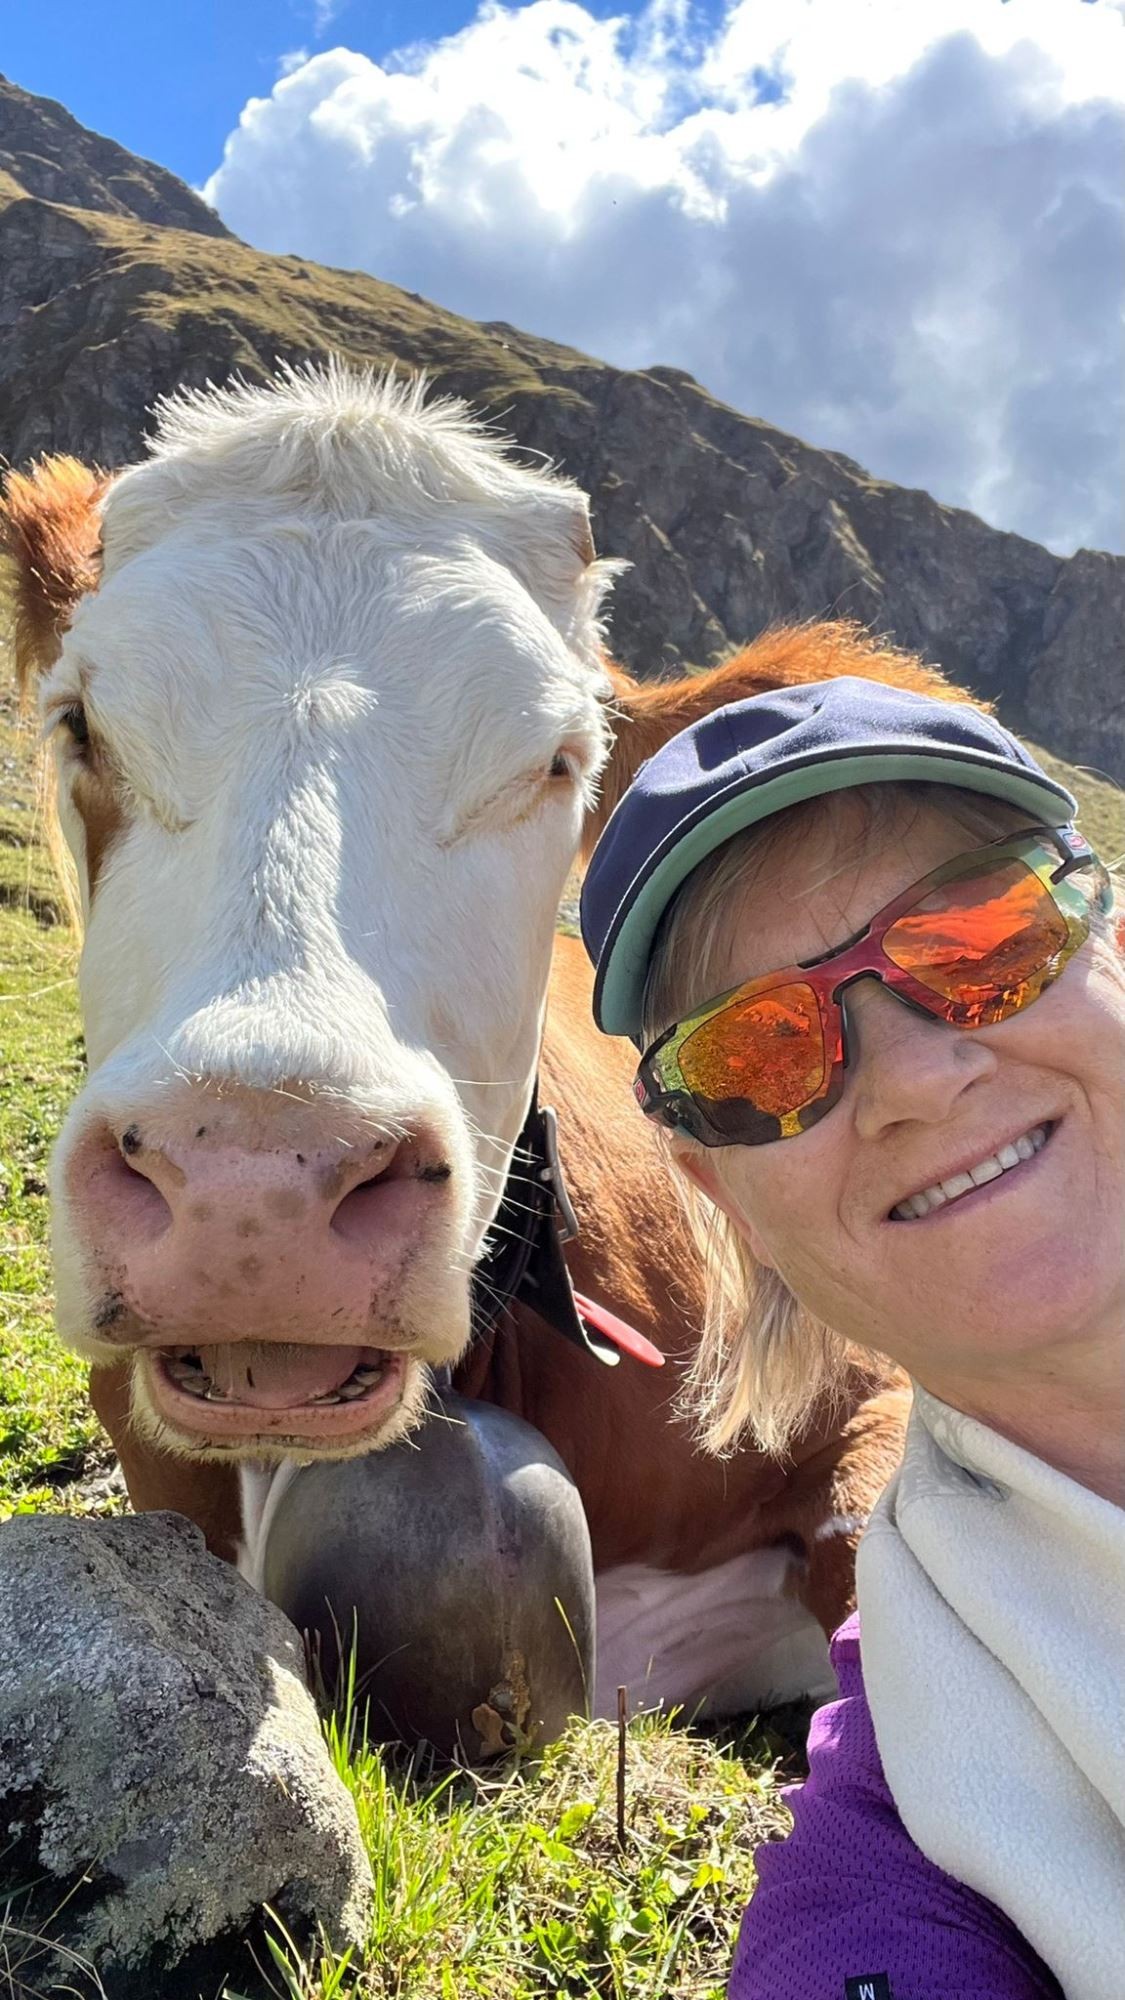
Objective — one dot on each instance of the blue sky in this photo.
(892, 227)
(168, 78)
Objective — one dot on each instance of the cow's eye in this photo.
(560, 766)
(74, 721)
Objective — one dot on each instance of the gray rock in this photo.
(158, 1740)
(1083, 717)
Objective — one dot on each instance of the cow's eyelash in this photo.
(516, 799)
(69, 715)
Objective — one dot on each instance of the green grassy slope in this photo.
(1101, 805)
(47, 1432)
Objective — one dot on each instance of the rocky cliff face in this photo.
(116, 284)
(51, 156)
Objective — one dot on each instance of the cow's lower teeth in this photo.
(187, 1374)
(194, 1385)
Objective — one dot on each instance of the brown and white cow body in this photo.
(327, 729)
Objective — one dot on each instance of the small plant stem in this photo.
(622, 1723)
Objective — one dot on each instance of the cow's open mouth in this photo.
(276, 1389)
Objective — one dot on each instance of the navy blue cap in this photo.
(745, 762)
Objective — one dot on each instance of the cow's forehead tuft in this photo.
(340, 442)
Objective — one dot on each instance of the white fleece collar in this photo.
(992, 1602)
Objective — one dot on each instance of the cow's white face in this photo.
(344, 703)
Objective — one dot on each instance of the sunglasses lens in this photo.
(766, 1052)
(982, 943)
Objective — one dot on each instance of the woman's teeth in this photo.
(988, 1169)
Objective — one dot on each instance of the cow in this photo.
(331, 714)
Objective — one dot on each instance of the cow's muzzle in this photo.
(275, 1292)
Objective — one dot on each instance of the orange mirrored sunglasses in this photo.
(971, 944)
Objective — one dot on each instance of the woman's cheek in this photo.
(790, 1215)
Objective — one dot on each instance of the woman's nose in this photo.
(905, 1067)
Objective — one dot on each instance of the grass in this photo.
(517, 1886)
(510, 1887)
(48, 1434)
(1101, 805)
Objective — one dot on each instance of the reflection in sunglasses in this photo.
(1009, 932)
(766, 1050)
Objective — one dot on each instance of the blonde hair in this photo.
(764, 1364)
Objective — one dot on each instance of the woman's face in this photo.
(1028, 1262)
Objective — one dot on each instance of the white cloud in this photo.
(891, 228)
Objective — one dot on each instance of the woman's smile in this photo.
(951, 1189)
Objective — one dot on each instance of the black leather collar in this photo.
(523, 1261)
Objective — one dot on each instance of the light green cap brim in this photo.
(624, 966)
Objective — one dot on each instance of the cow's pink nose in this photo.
(250, 1243)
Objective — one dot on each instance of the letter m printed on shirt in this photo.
(868, 1986)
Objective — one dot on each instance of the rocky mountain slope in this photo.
(51, 156)
(117, 283)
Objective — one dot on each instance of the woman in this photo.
(881, 1003)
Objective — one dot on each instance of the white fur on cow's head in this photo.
(344, 691)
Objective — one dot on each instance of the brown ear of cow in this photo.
(50, 537)
(648, 714)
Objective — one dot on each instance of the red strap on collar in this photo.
(619, 1332)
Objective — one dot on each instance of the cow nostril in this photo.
(354, 1213)
(139, 1209)
(355, 1216)
(366, 1209)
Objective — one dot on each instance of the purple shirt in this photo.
(848, 1908)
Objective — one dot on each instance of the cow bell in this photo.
(458, 1560)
